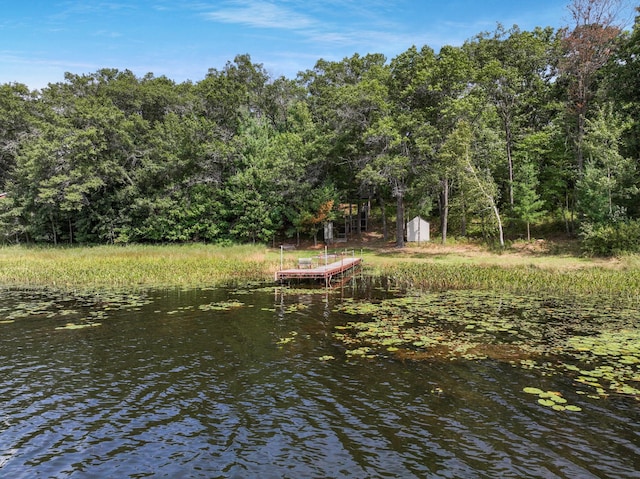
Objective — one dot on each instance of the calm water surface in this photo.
(177, 388)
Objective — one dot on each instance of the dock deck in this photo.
(326, 272)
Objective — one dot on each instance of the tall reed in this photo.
(198, 265)
(134, 266)
(615, 283)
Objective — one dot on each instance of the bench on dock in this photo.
(305, 263)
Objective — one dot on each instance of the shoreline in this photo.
(428, 266)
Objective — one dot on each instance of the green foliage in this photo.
(529, 206)
(17, 119)
(623, 85)
(611, 239)
(608, 176)
(492, 126)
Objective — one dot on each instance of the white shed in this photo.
(417, 230)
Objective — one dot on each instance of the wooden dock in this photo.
(326, 272)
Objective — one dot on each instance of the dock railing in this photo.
(324, 270)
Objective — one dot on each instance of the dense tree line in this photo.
(512, 129)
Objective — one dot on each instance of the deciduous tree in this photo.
(587, 46)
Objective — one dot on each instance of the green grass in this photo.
(133, 266)
(198, 265)
(619, 283)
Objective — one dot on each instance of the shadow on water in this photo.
(253, 382)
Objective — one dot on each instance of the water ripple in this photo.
(208, 397)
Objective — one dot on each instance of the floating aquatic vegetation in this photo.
(530, 390)
(247, 288)
(571, 407)
(289, 290)
(287, 339)
(44, 308)
(327, 357)
(293, 308)
(598, 344)
(181, 309)
(52, 304)
(78, 326)
(221, 305)
(364, 352)
(614, 357)
(552, 399)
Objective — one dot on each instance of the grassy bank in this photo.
(133, 266)
(622, 284)
(428, 268)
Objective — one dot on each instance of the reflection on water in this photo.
(175, 387)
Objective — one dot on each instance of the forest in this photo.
(512, 132)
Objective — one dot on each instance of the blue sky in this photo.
(182, 39)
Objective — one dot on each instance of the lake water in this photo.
(187, 384)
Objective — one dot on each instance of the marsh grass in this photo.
(619, 283)
(198, 265)
(133, 266)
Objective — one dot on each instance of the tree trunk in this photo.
(399, 220)
(490, 199)
(565, 214)
(572, 214)
(510, 161)
(610, 194)
(444, 214)
(463, 226)
(53, 230)
(497, 213)
(580, 142)
(385, 233)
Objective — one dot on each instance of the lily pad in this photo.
(78, 326)
(598, 348)
(221, 306)
(530, 390)
(558, 399)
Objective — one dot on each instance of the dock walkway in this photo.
(326, 272)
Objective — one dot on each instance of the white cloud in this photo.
(261, 14)
(323, 24)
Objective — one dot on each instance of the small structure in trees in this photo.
(328, 232)
(418, 230)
